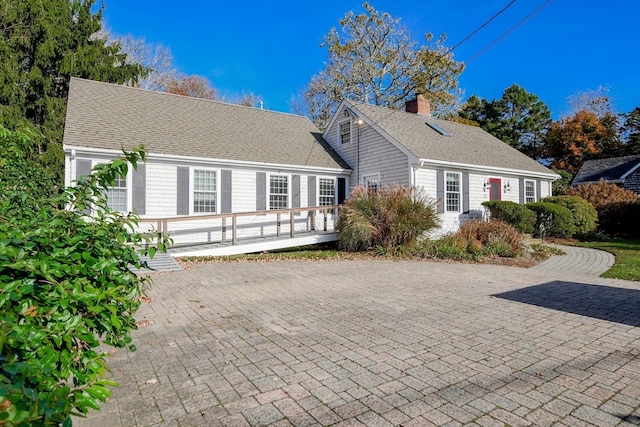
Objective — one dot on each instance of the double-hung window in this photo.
(372, 183)
(344, 132)
(204, 191)
(327, 192)
(278, 192)
(529, 191)
(117, 195)
(453, 191)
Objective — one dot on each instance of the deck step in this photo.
(160, 262)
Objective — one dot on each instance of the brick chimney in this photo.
(418, 105)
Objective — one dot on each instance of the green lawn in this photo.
(627, 252)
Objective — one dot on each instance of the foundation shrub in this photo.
(553, 220)
(389, 218)
(585, 216)
(512, 213)
(491, 238)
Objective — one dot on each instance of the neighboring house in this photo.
(207, 157)
(457, 164)
(623, 171)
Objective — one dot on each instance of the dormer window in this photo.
(344, 132)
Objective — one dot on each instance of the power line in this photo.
(479, 28)
(509, 31)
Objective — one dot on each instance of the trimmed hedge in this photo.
(585, 216)
(514, 214)
(553, 220)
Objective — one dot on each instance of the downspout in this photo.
(357, 153)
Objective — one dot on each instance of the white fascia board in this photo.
(201, 160)
(623, 177)
(487, 169)
(335, 117)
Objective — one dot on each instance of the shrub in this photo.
(552, 220)
(615, 206)
(514, 214)
(491, 238)
(585, 216)
(66, 288)
(390, 217)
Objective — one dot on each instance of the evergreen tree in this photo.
(42, 44)
(518, 118)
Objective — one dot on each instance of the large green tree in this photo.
(373, 59)
(42, 44)
(518, 118)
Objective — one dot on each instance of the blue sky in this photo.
(271, 48)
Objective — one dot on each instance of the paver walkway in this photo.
(580, 261)
(380, 343)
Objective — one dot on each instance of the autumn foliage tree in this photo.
(572, 140)
(194, 86)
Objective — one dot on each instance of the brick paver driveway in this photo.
(380, 343)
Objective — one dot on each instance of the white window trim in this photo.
(268, 191)
(129, 184)
(350, 132)
(459, 192)
(192, 188)
(335, 189)
(535, 196)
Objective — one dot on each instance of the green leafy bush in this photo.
(616, 206)
(552, 220)
(66, 288)
(491, 238)
(585, 216)
(389, 218)
(518, 216)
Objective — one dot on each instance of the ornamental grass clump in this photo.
(389, 218)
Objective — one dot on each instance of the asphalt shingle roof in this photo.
(466, 144)
(108, 116)
(610, 169)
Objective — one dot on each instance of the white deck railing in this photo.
(237, 227)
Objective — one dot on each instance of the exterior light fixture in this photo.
(507, 187)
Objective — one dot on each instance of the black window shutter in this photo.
(295, 196)
(311, 196)
(261, 191)
(440, 190)
(183, 191)
(226, 196)
(139, 192)
(538, 188)
(465, 192)
(342, 190)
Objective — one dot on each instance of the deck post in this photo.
(278, 224)
(292, 224)
(224, 230)
(234, 230)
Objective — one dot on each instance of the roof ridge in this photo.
(191, 98)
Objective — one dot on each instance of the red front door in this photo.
(495, 189)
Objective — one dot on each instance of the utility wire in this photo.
(509, 31)
(479, 28)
